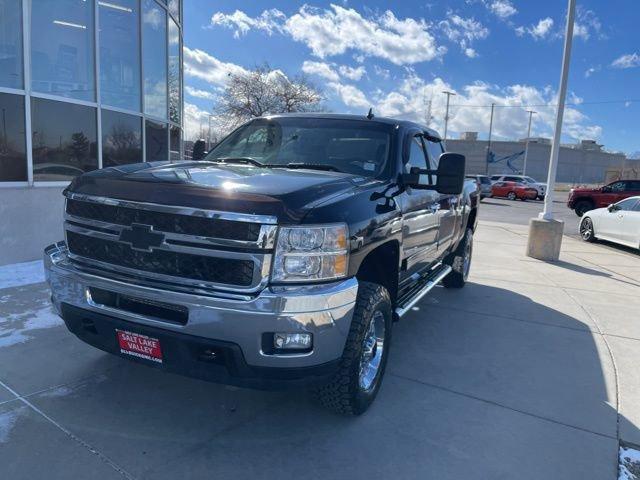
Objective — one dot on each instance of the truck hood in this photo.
(286, 193)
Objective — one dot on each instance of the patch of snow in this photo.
(16, 327)
(7, 421)
(20, 274)
(629, 459)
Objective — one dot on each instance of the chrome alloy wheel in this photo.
(586, 229)
(372, 350)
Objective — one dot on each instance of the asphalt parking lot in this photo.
(530, 372)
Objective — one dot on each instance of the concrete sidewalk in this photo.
(529, 372)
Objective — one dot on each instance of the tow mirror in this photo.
(449, 175)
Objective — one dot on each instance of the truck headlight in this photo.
(310, 253)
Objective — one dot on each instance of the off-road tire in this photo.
(343, 394)
(458, 276)
(583, 206)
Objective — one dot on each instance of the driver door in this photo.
(420, 220)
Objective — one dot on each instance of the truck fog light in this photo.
(292, 341)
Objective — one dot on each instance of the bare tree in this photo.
(264, 91)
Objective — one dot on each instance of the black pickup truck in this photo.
(281, 259)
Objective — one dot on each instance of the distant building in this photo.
(585, 162)
(469, 136)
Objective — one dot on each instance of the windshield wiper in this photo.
(239, 160)
(310, 166)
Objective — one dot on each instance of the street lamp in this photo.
(545, 233)
(446, 115)
(526, 147)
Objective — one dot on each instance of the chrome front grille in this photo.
(176, 246)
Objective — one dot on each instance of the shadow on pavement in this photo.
(481, 383)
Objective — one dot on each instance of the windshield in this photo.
(350, 146)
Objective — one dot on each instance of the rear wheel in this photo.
(512, 195)
(460, 262)
(587, 232)
(583, 206)
(357, 381)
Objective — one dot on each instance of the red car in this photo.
(581, 200)
(513, 190)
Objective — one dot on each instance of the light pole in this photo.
(545, 233)
(526, 147)
(493, 106)
(446, 115)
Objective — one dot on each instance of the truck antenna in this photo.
(370, 115)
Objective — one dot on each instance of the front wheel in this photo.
(357, 381)
(460, 262)
(582, 207)
(587, 231)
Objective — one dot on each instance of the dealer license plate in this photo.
(139, 346)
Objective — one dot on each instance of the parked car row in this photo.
(512, 187)
(582, 200)
(619, 223)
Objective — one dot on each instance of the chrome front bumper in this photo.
(322, 310)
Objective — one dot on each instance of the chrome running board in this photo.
(431, 282)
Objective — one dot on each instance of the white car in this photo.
(619, 223)
(540, 187)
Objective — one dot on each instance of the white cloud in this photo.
(586, 24)
(194, 92)
(269, 21)
(352, 73)
(334, 31)
(542, 29)
(320, 69)
(503, 8)
(470, 107)
(382, 72)
(349, 95)
(463, 31)
(200, 64)
(195, 121)
(630, 60)
(591, 70)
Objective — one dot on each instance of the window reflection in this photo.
(11, 43)
(174, 72)
(62, 48)
(62, 149)
(156, 141)
(119, 54)
(13, 157)
(174, 143)
(154, 57)
(174, 9)
(121, 139)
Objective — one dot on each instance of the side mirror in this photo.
(606, 189)
(613, 207)
(449, 175)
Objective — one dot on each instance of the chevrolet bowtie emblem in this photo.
(141, 237)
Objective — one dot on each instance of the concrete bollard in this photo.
(545, 239)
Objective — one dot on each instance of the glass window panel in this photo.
(62, 149)
(174, 9)
(120, 54)
(62, 48)
(13, 154)
(156, 141)
(174, 72)
(11, 43)
(154, 58)
(174, 143)
(121, 139)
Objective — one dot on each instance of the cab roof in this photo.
(345, 116)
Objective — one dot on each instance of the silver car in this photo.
(484, 184)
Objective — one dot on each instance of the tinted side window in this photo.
(513, 179)
(417, 158)
(633, 186)
(617, 187)
(627, 204)
(434, 150)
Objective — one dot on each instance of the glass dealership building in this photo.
(84, 84)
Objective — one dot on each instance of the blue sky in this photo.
(398, 57)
